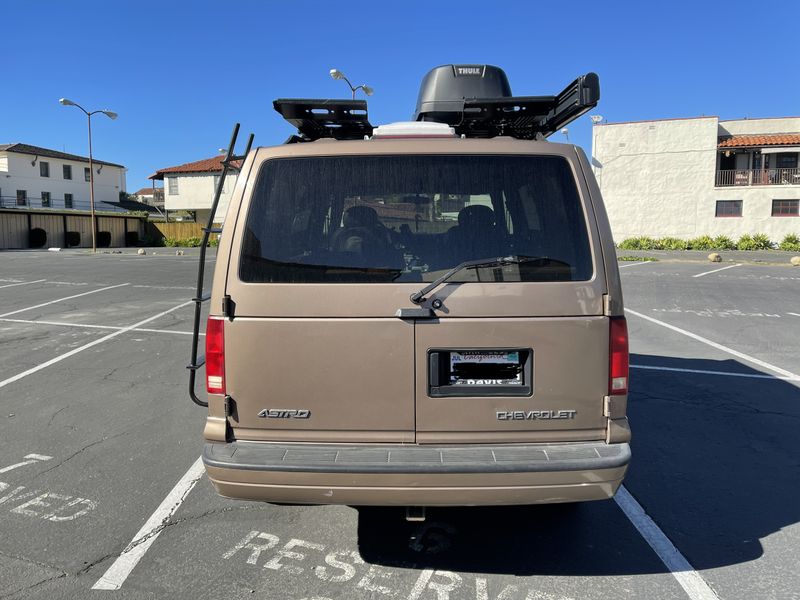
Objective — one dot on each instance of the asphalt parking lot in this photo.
(100, 485)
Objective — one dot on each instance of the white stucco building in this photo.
(191, 187)
(34, 177)
(691, 177)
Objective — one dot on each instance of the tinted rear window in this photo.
(410, 218)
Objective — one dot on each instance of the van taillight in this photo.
(618, 357)
(215, 355)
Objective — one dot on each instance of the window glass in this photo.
(45, 199)
(44, 168)
(376, 219)
(173, 185)
(67, 171)
(785, 208)
(67, 200)
(729, 208)
(22, 197)
(86, 173)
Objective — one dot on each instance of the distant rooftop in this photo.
(47, 153)
(756, 141)
(207, 165)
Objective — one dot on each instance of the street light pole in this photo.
(337, 74)
(111, 115)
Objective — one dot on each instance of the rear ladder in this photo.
(200, 297)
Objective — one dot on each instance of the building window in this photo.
(87, 173)
(786, 208)
(173, 186)
(787, 160)
(67, 171)
(44, 168)
(22, 198)
(729, 208)
(67, 200)
(45, 199)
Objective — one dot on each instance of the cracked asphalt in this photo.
(95, 434)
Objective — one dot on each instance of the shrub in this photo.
(790, 242)
(723, 242)
(191, 242)
(671, 243)
(761, 242)
(37, 238)
(704, 242)
(638, 243)
(72, 239)
(171, 242)
(214, 242)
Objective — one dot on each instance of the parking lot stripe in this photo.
(713, 344)
(716, 270)
(689, 579)
(110, 287)
(725, 373)
(91, 344)
(644, 262)
(88, 326)
(21, 283)
(794, 314)
(118, 572)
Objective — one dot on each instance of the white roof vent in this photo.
(414, 129)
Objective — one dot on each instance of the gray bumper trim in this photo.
(372, 458)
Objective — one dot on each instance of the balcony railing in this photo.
(736, 177)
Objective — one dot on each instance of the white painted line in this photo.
(111, 287)
(644, 262)
(88, 326)
(794, 314)
(694, 336)
(32, 458)
(22, 283)
(724, 373)
(689, 579)
(75, 351)
(118, 572)
(717, 270)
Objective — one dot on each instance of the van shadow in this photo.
(714, 464)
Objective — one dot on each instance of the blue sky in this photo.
(181, 73)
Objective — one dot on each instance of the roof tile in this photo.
(774, 139)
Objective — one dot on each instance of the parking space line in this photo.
(717, 270)
(21, 283)
(713, 344)
(689, 579)
(119, 570)
(110, 287)
(644, 262)
(91, 344)
(724, 373)
(88, 326)
(794, 314)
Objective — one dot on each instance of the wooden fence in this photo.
(179, 231)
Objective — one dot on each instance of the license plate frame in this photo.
(488, 372)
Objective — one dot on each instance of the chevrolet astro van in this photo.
(421, 313)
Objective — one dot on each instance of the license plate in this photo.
(481, 367)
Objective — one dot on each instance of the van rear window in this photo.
(410, 218)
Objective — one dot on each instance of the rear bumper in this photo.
(416, 475)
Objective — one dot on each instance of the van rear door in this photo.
(327, 251)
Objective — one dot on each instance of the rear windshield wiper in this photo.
(419, 297)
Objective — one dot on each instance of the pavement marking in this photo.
(30, 459)
(88, 326)
(22, 283)
(644, 262)
(110, 287)
(118, 572)
(689, 579)
(717, 270)
(75, 351)
(713, 344)
(794, 314)
(724, 373)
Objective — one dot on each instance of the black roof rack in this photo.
(443, 98)
(325, 118)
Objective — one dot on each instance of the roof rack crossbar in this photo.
(325, 118)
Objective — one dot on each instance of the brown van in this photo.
(417, 314)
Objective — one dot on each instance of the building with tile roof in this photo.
(701, 176)
(191, 187)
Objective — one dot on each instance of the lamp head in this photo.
(596, 119)
(337, 74)
(66, 102)
(110, 114)
(367, 90)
